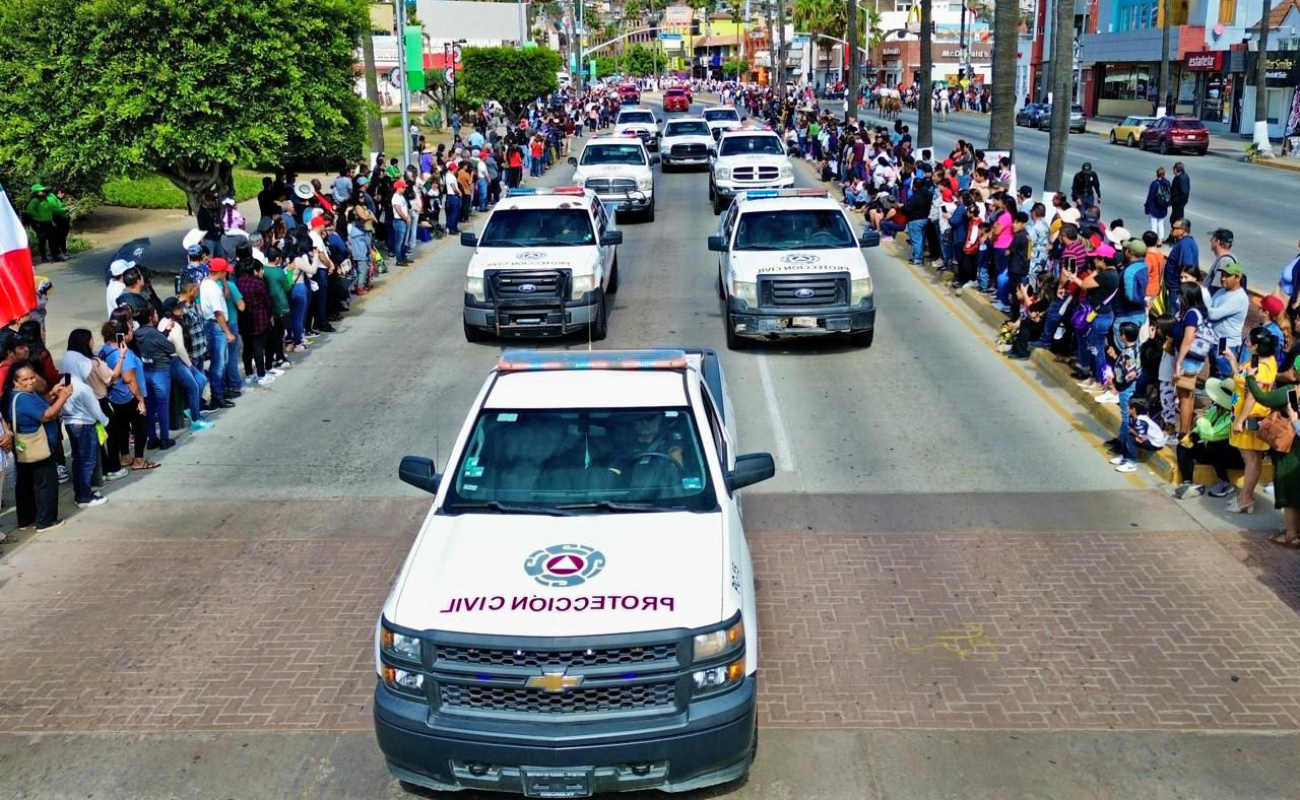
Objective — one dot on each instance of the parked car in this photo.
(1170, 134)
(1030, 115)
(1129, 130)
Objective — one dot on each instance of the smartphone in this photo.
(1223, 344)
(67, 379)
(1293, 399)
(1254, 362)
(121, 339)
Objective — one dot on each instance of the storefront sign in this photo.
(1283, 69)
(891, 51)
(1206, 62)
(954, 54)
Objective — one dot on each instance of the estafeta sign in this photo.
(1205, 62)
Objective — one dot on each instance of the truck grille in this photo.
(689, 150)
(590, 657)
(755, 173)
(617, 186)
(517, 284)
(830, 289)
(589, 700)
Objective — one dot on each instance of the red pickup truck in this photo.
(628, 94)
(676, 100)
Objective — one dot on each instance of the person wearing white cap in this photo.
(115, 286)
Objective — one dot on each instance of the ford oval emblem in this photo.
(527, 288)
(804, 294)
(801, 258)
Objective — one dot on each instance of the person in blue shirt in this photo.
(127, 399)
(1183, 254)
(33, 407)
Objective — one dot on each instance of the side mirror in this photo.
(713, 152)
(654, 160)
(468, 239)
(611, 237)
(573, 162)
(421, 473)
(751, 469)
(717, 244)
(871, 238)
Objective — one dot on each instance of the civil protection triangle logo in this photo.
(564, 564)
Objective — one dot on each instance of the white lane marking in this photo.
(784, 452)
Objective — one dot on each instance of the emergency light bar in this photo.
(521, 191)
(761, 194)
(553, 361)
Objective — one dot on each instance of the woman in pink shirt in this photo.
(1004, 209)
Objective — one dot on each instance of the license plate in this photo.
(803, 322)
(557, 782)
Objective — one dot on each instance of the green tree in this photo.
(508, 75)
(828, 17)
(1062, 94)
(639, 60)
(1006, 34)
(735, 66)
(95, 89)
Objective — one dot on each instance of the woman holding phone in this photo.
(1246, 414)
(1286, 466)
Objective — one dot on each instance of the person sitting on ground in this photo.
(1208, 444)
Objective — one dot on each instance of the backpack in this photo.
(1162, 194)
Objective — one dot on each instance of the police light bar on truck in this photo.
(762, 194)
(521, 191)
(553, 361)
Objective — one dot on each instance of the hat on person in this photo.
(10, 341)
(1026, 190)
(1087, 166)
(1104, 250)
(119, 267)
(1222, 234)
(947, 162)
(1233, 268)
(1137, 247)
(304, 190)
(228, 201)
(37, 188)
(399, 185)
(1070, 215)
(1272, 305)
(218, 264)
(1118, 235)
(1220, 392)
(362, 180)
(171, 304)
(195, 250)
(195, 236)
(947, 194)
(318, 221)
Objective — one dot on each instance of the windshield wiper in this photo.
(509, 508)
(558, 243)
(613, 505)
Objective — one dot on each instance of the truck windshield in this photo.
(622, 459)
(808, 229)
(721, 114)
(686, 129)
(613, 154)
(539, 227)
(635, 116)
(751, 145)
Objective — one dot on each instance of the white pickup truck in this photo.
(744, 159)
(577, 614)
(620, 170)
(790, 265)
(545, 264)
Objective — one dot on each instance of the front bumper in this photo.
(733, 189)
(788, 323)
(707, 745)
(509, 321)
(632, 201)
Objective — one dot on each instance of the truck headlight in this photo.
(787, 171)
(400, 645)
(860, 290)
(722, 174)
(403, 680)
(579, 180)
(645, 184)
(474, 288)
(745, 290)
(715, 643)
(716, 679)
(581, 285)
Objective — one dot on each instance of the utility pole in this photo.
(851, 85)
(401, 77)
(375, 122)
(1263, 146)
(780, 43)
(578, 36)
(925, 109)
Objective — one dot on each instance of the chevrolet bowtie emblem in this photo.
(554, 682)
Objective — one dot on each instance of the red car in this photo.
(628, 94)
(676, 100)
(1170, 134)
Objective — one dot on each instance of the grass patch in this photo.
(155, 191)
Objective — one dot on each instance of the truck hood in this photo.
(748, 264)
(753, 159)
(505, 574)
(581, 260)
(690, 138)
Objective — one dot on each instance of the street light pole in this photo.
(401, 77)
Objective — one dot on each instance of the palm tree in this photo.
(826, 17)
(1062, 94)
(924, 106)
(851, 36)
(1006, 35)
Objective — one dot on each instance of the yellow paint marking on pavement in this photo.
(959, 644)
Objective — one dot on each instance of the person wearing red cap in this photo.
(212, 304)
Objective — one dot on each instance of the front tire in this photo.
(734, 342)
(711, 192)
(1113, 140)
(1164, 147)
(599, 327)
(650, 212)
(1131, 141)
(862, 338)
(717, 204)
(473, 335)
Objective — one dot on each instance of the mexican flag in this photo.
(17, 281)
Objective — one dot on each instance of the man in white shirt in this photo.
(452, 190)
(212, 304)
(115, 286)
(401, 222)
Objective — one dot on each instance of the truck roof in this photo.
(562, 197)
(593, 379)
(784, 200)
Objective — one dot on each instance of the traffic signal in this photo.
(695, 26)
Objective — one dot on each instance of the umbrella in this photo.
(131, 251)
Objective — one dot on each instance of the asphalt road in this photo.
(1254, 202)
(206, 634)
